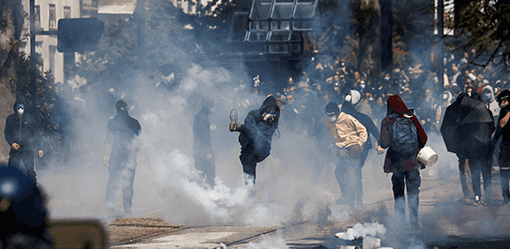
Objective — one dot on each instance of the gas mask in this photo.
(486, 97)
(20, 108)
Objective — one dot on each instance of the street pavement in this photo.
(445, 221)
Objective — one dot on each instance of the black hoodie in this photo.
(22, 130)
(256, 134)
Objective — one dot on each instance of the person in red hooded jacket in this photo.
(405, 171)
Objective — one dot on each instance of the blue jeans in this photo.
(411, 180)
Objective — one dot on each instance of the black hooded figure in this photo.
(23, 135)
(256, 134)
(122, 129)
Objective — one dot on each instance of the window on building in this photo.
(37, 16)
(67, 12)
(53, 50)
(53, 17)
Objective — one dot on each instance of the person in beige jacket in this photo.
(350, 136)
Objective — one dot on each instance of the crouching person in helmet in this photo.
(23, 212)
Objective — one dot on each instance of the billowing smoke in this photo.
(276, 241)
(362, 230)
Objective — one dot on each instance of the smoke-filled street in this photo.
(254, 124)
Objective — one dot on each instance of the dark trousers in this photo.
(465, 177)
(477, 166)
(359, 175)
(504, 169)
(249, 165)
(348, 172)
(410, 181)
(122, 172)
(24, 161)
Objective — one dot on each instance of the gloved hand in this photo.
(268, 117)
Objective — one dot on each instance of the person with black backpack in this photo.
(403, 136)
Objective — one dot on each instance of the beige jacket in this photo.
(347, 131)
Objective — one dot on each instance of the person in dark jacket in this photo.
(366, 121)
(405, 172)
(202, 143)
(122, 129)
(23, 135)
(503, 131)
(23, 211)
(256, 134)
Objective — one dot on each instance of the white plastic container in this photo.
(427, 156)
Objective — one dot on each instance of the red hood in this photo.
(396, 105)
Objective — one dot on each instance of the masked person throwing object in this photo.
(122, 129)
(256, 134)
(22, 134)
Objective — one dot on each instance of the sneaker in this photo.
(233, 120)
(478, 201)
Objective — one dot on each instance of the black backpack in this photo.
(403, 138)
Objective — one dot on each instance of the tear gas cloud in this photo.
(293, 184)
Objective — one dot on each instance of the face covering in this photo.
(486, 97)
(387, 78)
(20, 111)
(501, 105)
(362, 86)
(348, 98)
(332, 118)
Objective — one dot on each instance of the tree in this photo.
(485, 27)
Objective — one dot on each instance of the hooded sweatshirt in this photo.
(491, 102)
(256, 134)
(359, 104)
(395, 105)
(22, 130)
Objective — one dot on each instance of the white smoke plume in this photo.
(361, 230)
(276, 241)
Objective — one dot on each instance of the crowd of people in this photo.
(358, 104)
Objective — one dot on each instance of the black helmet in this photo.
(505, 94)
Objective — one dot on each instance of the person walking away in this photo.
(202, 143)
(503, 131)
(23, 135)
(256, 134)
(403, 136)
(122, 129)
(350, 137)
(369, 125)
